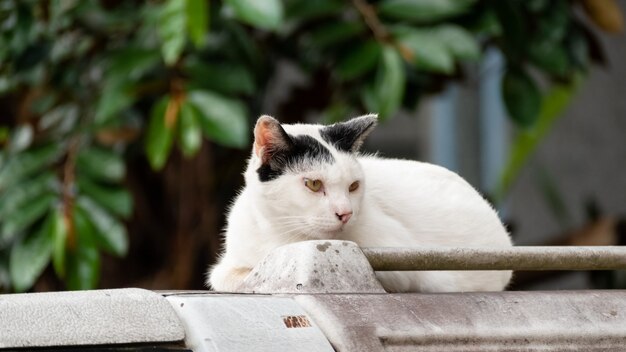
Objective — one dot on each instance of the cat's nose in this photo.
(344, 217)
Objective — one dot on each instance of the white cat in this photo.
(308, 182)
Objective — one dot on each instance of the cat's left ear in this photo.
(349, 136)
(269, 138)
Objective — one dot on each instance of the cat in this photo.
(307, 182)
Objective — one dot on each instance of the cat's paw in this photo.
(227, 279)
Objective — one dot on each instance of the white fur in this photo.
(399, 203)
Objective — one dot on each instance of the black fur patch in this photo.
(303, 151)
(348, 136)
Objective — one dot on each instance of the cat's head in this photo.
(306, 178)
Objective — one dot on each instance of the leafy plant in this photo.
(84, 83)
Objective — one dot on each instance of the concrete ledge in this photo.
(87, 318)
(489, 321)
(314, 267)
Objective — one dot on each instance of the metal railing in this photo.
(511, 258)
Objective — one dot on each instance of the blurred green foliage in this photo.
(81, 81)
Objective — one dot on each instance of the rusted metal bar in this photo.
(512, 258)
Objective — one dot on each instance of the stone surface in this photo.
(100, 317)
(314, 267)
(489, 321)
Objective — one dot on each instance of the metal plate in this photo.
(247, 323)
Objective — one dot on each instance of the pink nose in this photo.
(344, 217)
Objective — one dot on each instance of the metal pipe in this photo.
(493, 258)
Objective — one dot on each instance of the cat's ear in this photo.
(269, 138)
(349, 136)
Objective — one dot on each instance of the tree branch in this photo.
(68, 191)
(379, 30)
(372, 21)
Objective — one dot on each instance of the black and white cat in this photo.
(308, 182)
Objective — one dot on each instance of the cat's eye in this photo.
(313, 185)
(354, 186)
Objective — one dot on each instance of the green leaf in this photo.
(265, 14)
(190, 133)
(125, 68)
(306, 10)
(83, 261)
(386, 95)
(459, 42)
(537, 5)
(514, 29)
(5, 275)
(131, 63)
(227, 78)
(486, 25)
(223, 120)
(15, 198)
(101, 164)
(83, 268)
(335, 33)
(578, 48)
(172, 21)
(243, 44)
(521, 97)
(390, 87)
(58, 229)
(21, 138)
(549, 56)
(6, 85)
(359, 61)
(26, 163)
(429, 52)
(26, 216)
(36, 53)
(116, 96)
(423, 11)
(159, 137)
(83, 224)
(197, 20)
(59, 120)
(337, 112)
(31, 255)
(4, 134)
(368, 96)
(109, 233)
(555, 21)
(553, 104)
(116, 200)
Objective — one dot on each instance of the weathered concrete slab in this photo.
(314, 267)
(87, 318)
(247, 323)
(491, 321)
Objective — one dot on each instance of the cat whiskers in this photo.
(293, 233)
(299, 227)
(306, 222)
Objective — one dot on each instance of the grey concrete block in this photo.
(99, 317)
(314, 267)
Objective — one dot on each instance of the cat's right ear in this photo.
(269, 138)
(349, 136)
